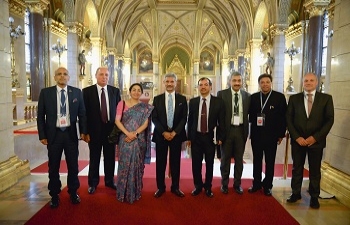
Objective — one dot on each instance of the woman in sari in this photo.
(134, 144)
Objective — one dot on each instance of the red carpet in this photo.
(103, 208)
(43, 168)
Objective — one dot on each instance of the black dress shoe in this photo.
(55, 201)
(178, 193)
(224, 189)
(314, 203)
(196, 191)
(111, 185)
(209, 193)
(253, 189)
(293, 198)
(75, 199)
(238, 189)
(268, 192)
(159, 193)
(91, 190)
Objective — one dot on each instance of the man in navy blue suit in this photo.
(206, 113)
(169, 117)
(310, 117)
(98, 98)
(59, 107)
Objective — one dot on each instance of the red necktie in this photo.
(204, 125)
(104, 115)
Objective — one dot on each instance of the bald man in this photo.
(310, 117)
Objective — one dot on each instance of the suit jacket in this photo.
(318, 124)
(226, 96)
(93, 112)
(216, 118)
(47, 113)
(275, 117)
(159, 118)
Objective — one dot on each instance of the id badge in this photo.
(63, 121)
(236, 120)
(260, 121)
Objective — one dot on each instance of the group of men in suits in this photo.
(60, 107)
(309, 117)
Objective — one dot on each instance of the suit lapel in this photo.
(54, 97)
(315, 103)
(196, 111)
(228, 94)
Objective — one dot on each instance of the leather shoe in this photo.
(224, 189)
(268, 192)
(253, 189)
(238, 189)
(159, 193)
(91, 190)
(111, 185)
(55, 201)
(314, 203)
(293, 198)
(209, 193)
(196, 191)
(75, 199)
(178, 193)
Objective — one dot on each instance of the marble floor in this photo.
(20, 202)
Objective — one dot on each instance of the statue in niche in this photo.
(82, 61)
(269, 63)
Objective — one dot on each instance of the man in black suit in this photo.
(100, 101)
(58, 109)
(267, 115)
(205, 114)
(310, 117)
(236, 126)
(169, 117)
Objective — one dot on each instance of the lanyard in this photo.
(263, 106)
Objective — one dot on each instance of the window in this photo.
(325, 42)
(27, 40)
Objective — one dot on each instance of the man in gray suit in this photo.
(237, 103)
(310, 117)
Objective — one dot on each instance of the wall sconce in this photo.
(59, 49)
(15, 32)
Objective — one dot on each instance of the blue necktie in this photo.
(63, 111)
(170, 111)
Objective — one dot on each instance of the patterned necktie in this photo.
(204, 125)
(170, 119)
(236, 106)
(63, 104)
(104, 116)
(309, 103)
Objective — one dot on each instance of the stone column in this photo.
(316, 9)
(225, 74)
(255, 65)
(12, 169)
(36, 47)
(126, 75)
(279, 41)
(335, 167)
(73, 41)
(156, 81)
(96, 56)
(195, 77)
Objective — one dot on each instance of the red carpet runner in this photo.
(103, 208)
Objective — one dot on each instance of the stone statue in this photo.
(269, 63)
(82, 61)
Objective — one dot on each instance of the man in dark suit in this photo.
(267, 115)
(58, 109)
(169, 117)
(205, 114)
(310, 117)
(236, 126)
(100, 101)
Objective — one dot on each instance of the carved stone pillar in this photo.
(126, 74)
(113, 67)
(255, 62)
(96, 56)
(36, 47)
(279, 41)
(316, 9)
(156, 81)
(225, 73)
